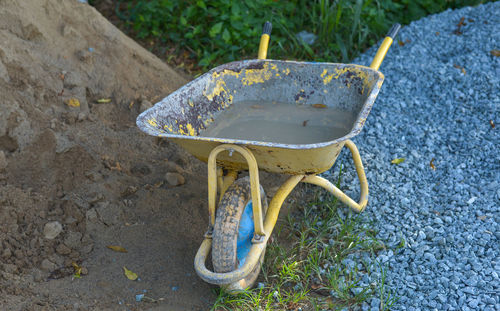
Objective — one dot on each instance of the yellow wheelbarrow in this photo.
(336, 99)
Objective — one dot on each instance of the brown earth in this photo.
(89, 168)
(72, 163)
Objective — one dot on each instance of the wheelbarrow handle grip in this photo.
(266, 30)
(394, 31)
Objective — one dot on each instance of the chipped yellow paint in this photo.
(258, 75)
(181, 130)
(153, 122)
(337, 72)
(224, 73)
(220, 87)
(187, 129)
(190, 129)
(168, 128)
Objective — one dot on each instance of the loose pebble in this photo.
(52, 229)
(48, 265)
(174, 179)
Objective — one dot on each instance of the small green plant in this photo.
(387, 297)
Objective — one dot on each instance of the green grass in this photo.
(306, 269)
(207, 33)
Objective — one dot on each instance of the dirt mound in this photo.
(77, 175)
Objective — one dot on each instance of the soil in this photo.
(74, 165)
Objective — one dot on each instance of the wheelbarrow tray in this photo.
(182, 115)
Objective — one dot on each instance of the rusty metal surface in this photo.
(183, 114)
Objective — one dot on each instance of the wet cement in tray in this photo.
(285, 123)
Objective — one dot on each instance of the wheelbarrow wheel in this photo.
(233, 233)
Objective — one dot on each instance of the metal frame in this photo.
(263, 229)
(254, 183)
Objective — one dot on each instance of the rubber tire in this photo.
(225, 235)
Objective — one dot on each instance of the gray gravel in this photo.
(430, 109)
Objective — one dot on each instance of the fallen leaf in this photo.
(131, 105)
(305, 122)
(398, 161)
(483, 217)
(459, 26)
(158, 184)
(319, 105)
(129, 191)
(78, 270)
(117, 248)
(437, 33)
(73, 102)
(432, 164)
(108, 163)
(104, 100)
(316, 286)
(495, 53)
(492, 124)
(129, 274)
(460, 67)
(401, 43)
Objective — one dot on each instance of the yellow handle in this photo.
(264, 40)
(384, 47)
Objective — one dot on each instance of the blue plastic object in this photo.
(139, 297)
(245, 234)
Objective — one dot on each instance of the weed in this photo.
(387, 297)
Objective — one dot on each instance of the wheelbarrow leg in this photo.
(322, 182)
